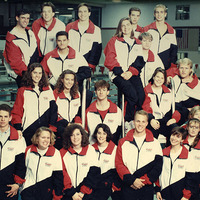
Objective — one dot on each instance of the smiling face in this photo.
(23, 20)
(101, 137)
(185, 71)
(5, 118)
(83, 13)
(36, 75)
(47, 14)
(134, 16)
(140, 123)
(146, 43)
(159, 79)
(68, 81)
(126, 27)
(76, 138)
(160, 14)
(176, 139)
(44, 140)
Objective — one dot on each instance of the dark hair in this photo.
(196, 140)
(59, 87)
(102, 84)
(119, 28)
(159, 69)
(141, 112)
(27, 78)
(6, 108)
(68, 133)
(106, 129)
(61, 33)
(22, 12)
(84, 4)
(134, 9)
(179, 131)
(48, 4)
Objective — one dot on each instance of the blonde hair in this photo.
(185, 61)
(193, 111)
(141, 112)
(160, 6)
(38, 132)
(146, 35)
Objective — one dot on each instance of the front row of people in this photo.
(81, 171)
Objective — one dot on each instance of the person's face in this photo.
(146, 43)
(23, 20)
(134, 16)
(36, 75)
(140, 123)
(159, 79)
(126, 27)
(62, 42)
(176, 140)
(101, 136)
(184, 70)
(193, 129)
(160, 14)
(44, 140)
(83, 13)
(68, 81)
(76, 138)
(5, 118)
(197, 115)
(102, 93)
(47, 13)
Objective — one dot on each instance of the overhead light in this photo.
(70, 8)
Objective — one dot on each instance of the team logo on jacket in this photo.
(84, 164)
(88, 39)
(197, 157)
(70, 66)
(110, 120)
(106, 161)
(10, 148)
(75, 105)
(51, 39)
(148, 150)
(48, 164)
(180, 166)
(46, 98)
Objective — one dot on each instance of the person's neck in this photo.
(4, 129)
(156, 87)
(175, 148)
(139, 134)
(47, 24)
(66, 91)
(77, 148)
(102, 104)
(64, 51)
(134, 26)
(191, 139)
(105, 144)
(128, 36)
(160, 23)
(20, 29)
(84, 23)
(187, 79)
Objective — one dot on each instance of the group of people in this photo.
(50, 152)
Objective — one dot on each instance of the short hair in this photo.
(184, 61)
(38, 132)
(61, 33)
(160, 6)
(68, 133)
(193, 111)
(159, 69)
(6, 108)
(134, 9)
(84, 4)
(145, 35)
(101, 84)
(179, 131)
(106, 129)
(48, 4)
(141, 112)
(22, 12)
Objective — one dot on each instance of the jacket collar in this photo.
(148, 89)
(10, 37)
(62, 95)
(82, 153)
(169, 28)
(13, 134)
(71, 54)
(50, 151)
(151, 57)
(30, 88)
(109, 148)
(42, 23)
(183, 154)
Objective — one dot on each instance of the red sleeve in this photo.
(13, 56)
(44, 64)
(176, 115)
(146, 105)
(68, 27)
(110, 55)
(172, 71)
(133, 70)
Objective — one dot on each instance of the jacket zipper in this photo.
(37, 168)
(76, 169)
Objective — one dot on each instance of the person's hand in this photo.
(126, 75)
(171, 121)
(158, 196)
(138, 183)
(13, 191)
(155, 124)
(133, 187)
(81, 194)
(20, 134)
(77, 196)
(183, 198)
(169, 80)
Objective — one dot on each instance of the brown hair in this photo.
(6, 108)
(48, 4)
(141, 112)
(68, 133)
(134, 9)
(38, 132)
(119, 28)
(159, 69)
(101, 84)
(179, 131)
(160, 6)
(59, 87)
(27, 80)
(84, 4)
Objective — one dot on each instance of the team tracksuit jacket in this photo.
(46, 37)
(80, 171)
(32, 111)
(54, 65)
(88, 44)
(165, 46)
(172, 181)
(12, 163)
(113, 119)
(138, 31)
(44, 177)
(19, 53)
(108, 179)
(132, 162)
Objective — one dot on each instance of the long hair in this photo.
(119, 28)
(193, 112)
(59, 87)
(27, 80)
(159, 69)
(68, 133)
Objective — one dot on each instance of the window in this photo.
(182, 12)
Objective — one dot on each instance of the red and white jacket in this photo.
(12, 162)
(80, 170)
(121, 58)
(165, 46)
(138, 31)
(44, 173)
(46, 37)
(54, 65)
(19, 51)
(88, 44)
(132, 162)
